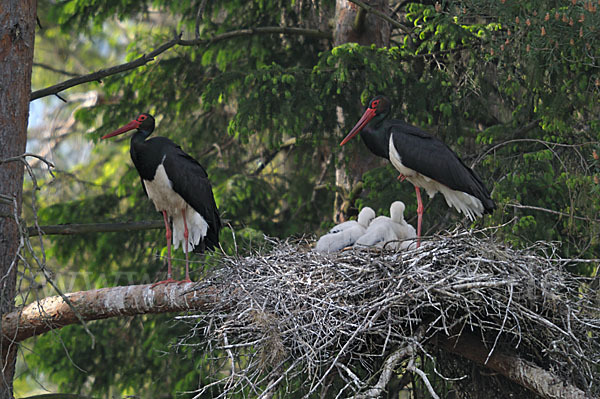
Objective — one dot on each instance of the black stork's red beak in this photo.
(367, 116)
(134, 124)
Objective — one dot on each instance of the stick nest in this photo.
(341, 325)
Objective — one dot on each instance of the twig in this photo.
(269, 157)
(501, 330)
(552, 211)
(21, 158)
(522, 130)
(25, 242)
(411, 367)
(51, 68)
(265, 30)
(199, 15)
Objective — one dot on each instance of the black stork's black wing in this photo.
(190, 181)
(431, 157)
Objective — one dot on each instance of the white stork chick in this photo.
(345, 234)
(393, 231)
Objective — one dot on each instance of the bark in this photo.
(534, 378)
(17, 33)
(355, 25)
(54, 312)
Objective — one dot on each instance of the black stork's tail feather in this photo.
(211, 240)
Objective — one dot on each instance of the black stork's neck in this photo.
(140, 136)
(138, 141)
(376, 136)
(145, 156)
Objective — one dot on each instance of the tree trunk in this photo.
(17, 33)
(354, 24)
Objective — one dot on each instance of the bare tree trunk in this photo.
(354, 24)
(17, 33)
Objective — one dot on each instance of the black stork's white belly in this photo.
(160, 191)
(463, 202)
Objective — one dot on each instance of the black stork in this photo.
(179, 188)
(423, 160)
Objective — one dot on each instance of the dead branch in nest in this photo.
(293, 320)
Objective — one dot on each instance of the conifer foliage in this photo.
(258, 93)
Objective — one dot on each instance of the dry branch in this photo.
(96, 76)
(53, 312)
(144, 59)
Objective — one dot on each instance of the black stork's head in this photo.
(378, 109)
(144, 123)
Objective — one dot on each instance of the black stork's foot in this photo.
(167, 281)
(401, 177)
(187, 280)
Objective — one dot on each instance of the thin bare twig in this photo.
(51, 68)
(411, 367)
(199, 15)
(552, 211)
(21, 158)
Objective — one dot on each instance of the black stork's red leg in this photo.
(419, 215)
(187, 261)
(169, 235)
(422, 159)
(174, 181)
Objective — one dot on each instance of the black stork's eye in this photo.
(141, 118)
(374, 104)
